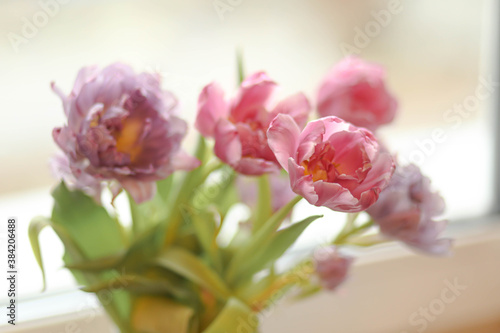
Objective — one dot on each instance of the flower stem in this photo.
(343, 237)
(264, 207)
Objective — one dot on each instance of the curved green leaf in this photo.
(265, 233)
(87, 223)
(275, 248)
(192, 268)
(34, 229)
(97, 265)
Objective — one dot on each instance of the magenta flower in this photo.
(355, 91)
(331, 266)
(121, 127)
(239, 126)
(331, 163)
(406, 211)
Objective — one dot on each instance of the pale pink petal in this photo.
(283, 135)
(253, 96)
(311, 135)
(211, 107)
(296, 106)
(184, 161)
(255, 166)
(336, 197)
(227, 143)
(355, 91)
(139, 191)
(301, 184)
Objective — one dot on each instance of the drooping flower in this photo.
(331, 162)
(406, 211)
(355, 91)
(239, 126)
(331, 266)
(121, 127)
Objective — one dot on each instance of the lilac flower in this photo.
(121, 127)
(331, 266)
(406, 211)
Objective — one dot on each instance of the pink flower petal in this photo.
(211, 107)
(301, 184)
(227, 143)
(253, 96)
(140, 191)
(296, 106)
(283, 135)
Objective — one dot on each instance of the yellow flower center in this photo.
(316, 171)
(127, 139)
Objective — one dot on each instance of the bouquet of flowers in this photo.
(171, 271)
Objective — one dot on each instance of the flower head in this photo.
(121, 127)
(239, 126)
(406, 211)
(355, 91)
(331, 266)
(331, 162)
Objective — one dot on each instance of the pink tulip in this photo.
(406, 211)
(121, 128)
(331, 162)
(331, 267)
(355, 91)
(239, 126)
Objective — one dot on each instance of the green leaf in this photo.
(147, 214)
(147, 245)
(205, 227)
(186, 187)
(164, 187)
(34, 229)
(234, 317)
(264, 203)
(88, 224)
(275, 248)
(192, 268)
(139, 284)
(259, 239)
(97, 265)
(88, 232)
(228, 194)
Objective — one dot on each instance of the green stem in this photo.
(241, 67)
(343, 237)
(264, 206)
(186, 188)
